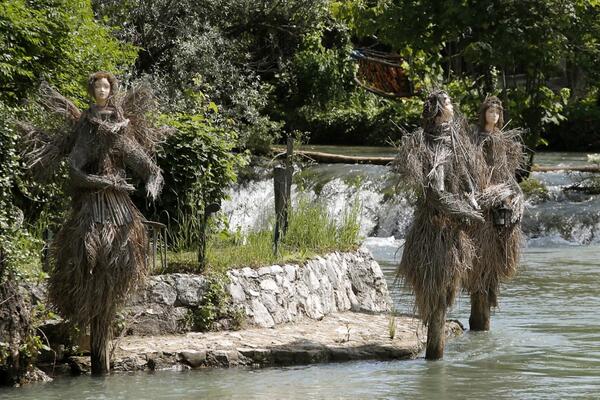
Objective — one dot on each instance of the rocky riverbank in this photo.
(330, 308)
(264, 297)
(334, 338)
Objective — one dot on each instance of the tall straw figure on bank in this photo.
(99, 254)
(438, 251)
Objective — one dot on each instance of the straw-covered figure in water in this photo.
(99, 254)
(438, 251)
(498, 239)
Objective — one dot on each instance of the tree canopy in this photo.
(57, 40)
(514, 47)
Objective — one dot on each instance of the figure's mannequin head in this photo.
(437, 109)
(491, 114)
(101, 86)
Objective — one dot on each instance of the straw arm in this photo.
(447, 202)
(137, 159)
(455, 206)
(81, 179)
(41, 151)
(53, 101)
(517, 202)
(408, 162)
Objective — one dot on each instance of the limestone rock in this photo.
(190, 289)
(193, 358)
(269, 295)
(336, 337)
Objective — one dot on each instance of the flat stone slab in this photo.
(336, 337)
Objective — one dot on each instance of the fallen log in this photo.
(574, 168)
(330, 158)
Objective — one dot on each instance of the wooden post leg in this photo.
(436, 336)
(480, 312)
(99, 338)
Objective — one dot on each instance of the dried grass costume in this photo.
(499, 155)
(438, 251)
(99, 254)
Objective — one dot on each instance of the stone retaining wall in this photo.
(266, 296)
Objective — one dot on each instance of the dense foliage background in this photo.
(239, 75)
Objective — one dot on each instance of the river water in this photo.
(544, 342)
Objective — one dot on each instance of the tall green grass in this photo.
(183, 232)
(311, 231)
(311, 227)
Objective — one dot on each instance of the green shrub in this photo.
(58, 40)
(17, 253)
(215, 308)
(361, 118)
(198, 165)
(581, 129)
(533, 188)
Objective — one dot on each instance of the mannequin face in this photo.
(448, 107)
(492, 115)
(101, 91)
(447, 110)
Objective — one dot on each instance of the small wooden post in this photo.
(289, 154)
(282, 181)
(99, 340)
(48, 236)
(436, 335)
(281, 210)
(480, 312)
(289, 172)
(202, 242)
(208, 211)
(3, 262)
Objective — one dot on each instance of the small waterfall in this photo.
(561, 217)
(250, 206)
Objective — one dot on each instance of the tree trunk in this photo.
(436, 335)
(99, 338)
(480, 312)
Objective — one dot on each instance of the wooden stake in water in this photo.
(99, 341)
(436, 336)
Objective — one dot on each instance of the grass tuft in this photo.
(311, 231)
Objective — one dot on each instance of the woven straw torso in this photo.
(104, 128)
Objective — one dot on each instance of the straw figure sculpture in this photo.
(498, 240)
(438, 251)
(99, 254)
